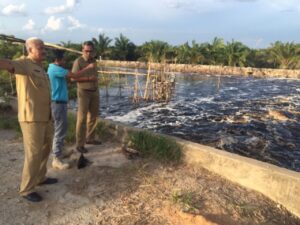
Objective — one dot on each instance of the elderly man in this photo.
(34, 116)
(88, 99)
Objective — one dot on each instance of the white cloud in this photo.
(30, 25)
(67, 7)
(214, 5)
(54, 24)
(284, 5)
(11, 10)
(74, 23)
(197, 6)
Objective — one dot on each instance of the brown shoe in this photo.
(93, 142)
(81, 149)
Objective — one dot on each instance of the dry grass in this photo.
(138, 193)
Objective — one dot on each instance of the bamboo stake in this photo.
(147, 82)
(49, 45)
(135, 93)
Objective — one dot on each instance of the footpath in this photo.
(115, 190)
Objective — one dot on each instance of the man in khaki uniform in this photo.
(88, 99)
(34, 116)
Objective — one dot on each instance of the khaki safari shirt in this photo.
(33, 90)
(78, 65)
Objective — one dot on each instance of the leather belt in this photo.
(90, 90)
(60, 102)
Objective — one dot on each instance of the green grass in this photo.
(154, 146)
(185, 197)
(8, 122)
(102, 131)
(187, 201)
(71, 132)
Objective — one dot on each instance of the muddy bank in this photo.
(210, 69)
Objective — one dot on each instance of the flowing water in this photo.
(257, 118)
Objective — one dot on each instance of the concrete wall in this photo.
(279, 184)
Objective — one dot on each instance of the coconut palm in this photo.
(217, 49)
(195, 54)
(155, 51)
(284, 55)
(213, 52)
(258, 58)
(183, 53)
(102, 45)
(236, 53)
(124, 49)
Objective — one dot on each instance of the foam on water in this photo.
(231, 113)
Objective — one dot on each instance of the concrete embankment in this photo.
(210, 69)
(279, 184)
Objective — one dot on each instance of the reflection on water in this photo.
(258, 118)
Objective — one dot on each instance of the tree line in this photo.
(217, 52)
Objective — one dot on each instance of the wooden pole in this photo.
(146, 95)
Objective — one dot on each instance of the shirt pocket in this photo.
(39, 80)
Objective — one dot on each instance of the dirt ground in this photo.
(114, 190)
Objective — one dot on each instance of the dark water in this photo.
(235, 114)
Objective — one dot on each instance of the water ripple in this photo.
(258, 118)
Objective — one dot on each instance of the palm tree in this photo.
(236, 53)
(213, 53)
(123, 48)
(195, 53)
(155, 51)
(258, 58)
(102, 45)
(183, 53)
(298, 50)
(284, 55)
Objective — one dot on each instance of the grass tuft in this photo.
(71, 133)
(187, 201)
(159, 147)
(7, 122)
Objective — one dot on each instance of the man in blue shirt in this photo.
(59, 97)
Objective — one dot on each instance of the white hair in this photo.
(31, 41)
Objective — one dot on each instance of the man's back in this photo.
(57, 76)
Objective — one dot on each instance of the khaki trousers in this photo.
(87, 115)
(37, 139)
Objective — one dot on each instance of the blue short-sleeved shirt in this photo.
(59, 89)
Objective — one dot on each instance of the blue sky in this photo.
(256, 23)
